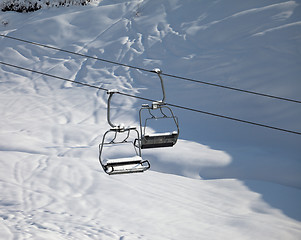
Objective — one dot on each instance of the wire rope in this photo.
(151, 71)
(151, 100)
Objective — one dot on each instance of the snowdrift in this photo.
(221, 180)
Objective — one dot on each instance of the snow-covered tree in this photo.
(34, 5)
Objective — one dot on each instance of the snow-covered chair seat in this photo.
(126, 165)
(156, 140)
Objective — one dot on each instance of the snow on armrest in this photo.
(161, 134)
(124, 160)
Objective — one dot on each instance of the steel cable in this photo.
(151, 100)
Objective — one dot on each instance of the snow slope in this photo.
(52, 186)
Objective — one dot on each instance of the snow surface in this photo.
(222, 180)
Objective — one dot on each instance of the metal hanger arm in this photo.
(110, 92)
(158, 71)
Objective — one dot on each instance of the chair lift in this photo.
(121, 165)
(167, 139)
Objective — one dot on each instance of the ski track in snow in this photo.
(52, 186)
(54, 200)
(278, 28)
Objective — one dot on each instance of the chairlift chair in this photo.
(156, 140)
(126, 164)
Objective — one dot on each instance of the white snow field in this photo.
(222, 180)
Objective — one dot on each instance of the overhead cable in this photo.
(147, 70)
(151, 100)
